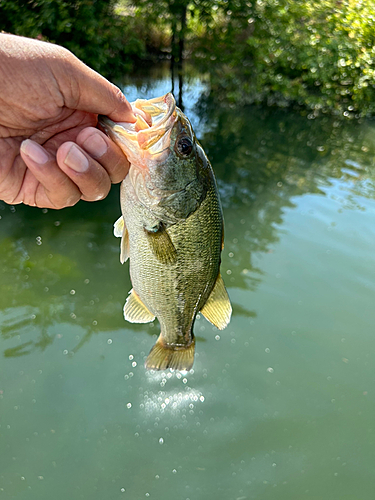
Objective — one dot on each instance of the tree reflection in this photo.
(264, 158)
(62, 268)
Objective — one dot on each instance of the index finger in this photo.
(87, 90)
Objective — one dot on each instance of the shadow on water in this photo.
(63, 267)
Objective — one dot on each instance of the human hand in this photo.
(51, 154)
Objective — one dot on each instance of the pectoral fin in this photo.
(218, 309)
(120, 231)
(162, 245)
(135, 311)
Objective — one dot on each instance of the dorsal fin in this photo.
(135, 311)
(218, 309)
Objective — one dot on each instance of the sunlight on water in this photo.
(168, 399)
(280, 405)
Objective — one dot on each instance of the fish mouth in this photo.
(146, 137)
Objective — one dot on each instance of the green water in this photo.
(279, 406)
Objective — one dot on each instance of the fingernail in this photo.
(76, 160)
(34, 151)
(95, 145)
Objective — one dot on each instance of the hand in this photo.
(51, 154)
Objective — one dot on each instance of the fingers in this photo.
(103, 150)
(87, 174)
(86, 90)
(45, 185)
(83, 169)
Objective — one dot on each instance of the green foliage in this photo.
(91, 29)
(319, 54)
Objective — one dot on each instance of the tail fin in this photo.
(164, 356)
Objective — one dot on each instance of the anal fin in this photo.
(135, 311)
(218, 309)
(163, 356)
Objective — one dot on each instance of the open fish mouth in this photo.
(144, 137)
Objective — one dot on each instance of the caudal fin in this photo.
(164, 356)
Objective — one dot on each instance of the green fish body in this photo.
(171, 229)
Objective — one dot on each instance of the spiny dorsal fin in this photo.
(218, 309)
(135, 311)
(162, 245)
(163, 356)
(120, 231)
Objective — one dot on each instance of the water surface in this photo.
(280, 405)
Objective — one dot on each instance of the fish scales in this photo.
(174, 293)
(171, 229)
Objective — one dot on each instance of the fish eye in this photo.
(184, 146)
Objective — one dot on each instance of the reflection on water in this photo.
(174, 397)
(279, 405)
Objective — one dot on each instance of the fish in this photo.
(171, 229)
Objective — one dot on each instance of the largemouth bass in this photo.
(171, 230)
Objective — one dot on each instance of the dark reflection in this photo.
(62, 267)
(264, 158)
(180, 74)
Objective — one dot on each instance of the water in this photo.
(280, 405)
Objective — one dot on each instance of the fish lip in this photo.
(152, 140)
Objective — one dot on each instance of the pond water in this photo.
(280, 405)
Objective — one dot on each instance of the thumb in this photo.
(91, 92)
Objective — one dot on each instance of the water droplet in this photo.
(131, 357)
(134, 364)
